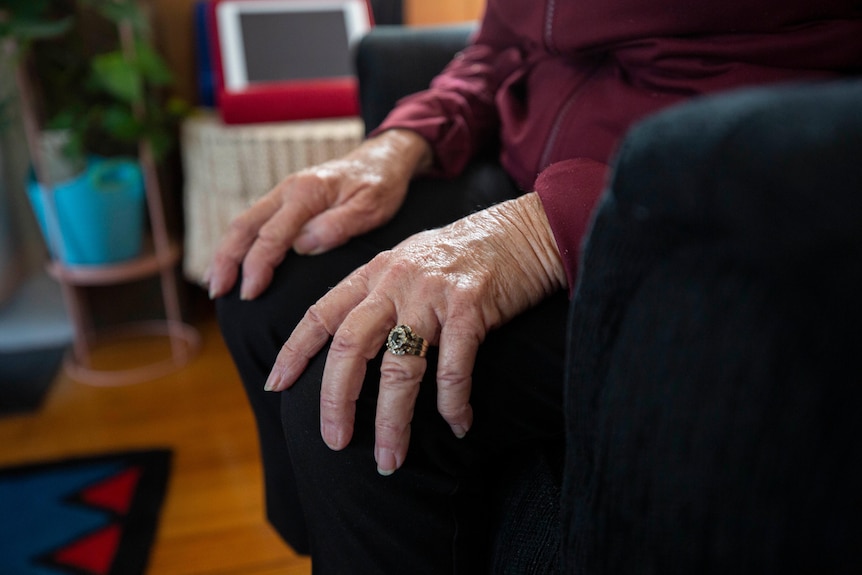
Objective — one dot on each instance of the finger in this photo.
(343, 375)
(400, 378)
(336, 226)
(357, 341)
(459, 344)
(308, 338)
(273, 240)
(268, 250)
(315, 328)
(237, 240)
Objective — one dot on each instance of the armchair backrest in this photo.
(394, 61)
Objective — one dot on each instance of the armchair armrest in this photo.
(394, 61)
(728, 243)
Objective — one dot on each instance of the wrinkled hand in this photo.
(317, 209)
(451, 285)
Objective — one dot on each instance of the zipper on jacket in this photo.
(550, 7)
(555, 130)
(548, 35)
(561, 115)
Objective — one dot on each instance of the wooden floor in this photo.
(212, 522)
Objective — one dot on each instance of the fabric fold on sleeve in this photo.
(458, 113)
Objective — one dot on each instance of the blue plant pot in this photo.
(99, 215)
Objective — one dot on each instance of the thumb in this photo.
(333, 228)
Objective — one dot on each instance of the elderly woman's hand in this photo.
(451, 286)
(318, 209)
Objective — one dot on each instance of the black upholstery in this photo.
(714, 400)
(394, 61)
(388, 12)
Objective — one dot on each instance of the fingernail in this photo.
(271, 382)
(213, 286)
(386, 463)
(248, 290)
(307, 244)
(459, 431)
(333, 436)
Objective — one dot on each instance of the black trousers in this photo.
(434, 515)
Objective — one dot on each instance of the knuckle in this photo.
(223, 258)
(454, 393)
(400, 266)
(270, 238)
(450, 408)
(329, 401)
(312, 184)
(462, 332)
(369, 209)
(345, 342)
(305, 179)
(358, 280)
(289, 349)
(240, 225)
(397, 372)
(314, 316)
(388, 428)
(331, 231)
(448, 380)
(390, 263)
(465, 298)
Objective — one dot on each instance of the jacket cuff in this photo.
(570, 191)
(451, 154)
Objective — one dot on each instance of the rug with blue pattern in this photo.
(86, 516)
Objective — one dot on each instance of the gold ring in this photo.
(403, 340)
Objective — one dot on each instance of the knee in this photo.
(244, 326)
(300, 410)
(266, 321)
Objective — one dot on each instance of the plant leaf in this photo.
(65, 119)
(119, 122)
(118, 11)
(26, 7)
(114, 75)
(177, 107)
(32, 28)
(151, 65)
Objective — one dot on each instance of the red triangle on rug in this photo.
(114, 493)
(93, 554)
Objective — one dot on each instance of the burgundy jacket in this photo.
(560, 81)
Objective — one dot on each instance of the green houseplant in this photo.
(92, 95)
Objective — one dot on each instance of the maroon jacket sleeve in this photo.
(569, 191)
(458, 113)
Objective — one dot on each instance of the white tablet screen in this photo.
(268, 41)
(295, 46)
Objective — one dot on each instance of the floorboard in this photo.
(212, 522)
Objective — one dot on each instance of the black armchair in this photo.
(394, 61)
(714, 392)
